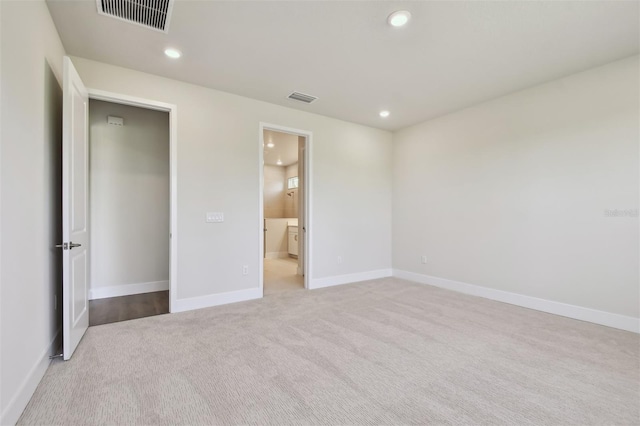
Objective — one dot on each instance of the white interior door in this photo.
(75, 209)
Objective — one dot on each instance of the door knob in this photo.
(74, 245)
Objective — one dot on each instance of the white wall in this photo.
(511, 194)
(274, 185)
(31, 102)
(218, 170)
(129, 187)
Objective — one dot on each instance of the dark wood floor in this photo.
(115, 309)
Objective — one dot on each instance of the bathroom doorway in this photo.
(284, 218)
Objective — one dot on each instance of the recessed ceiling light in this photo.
(279, 163)
(399, 18)
(384, 114)
(270, 145)
(173, 53)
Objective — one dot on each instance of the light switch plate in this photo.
(215, 217)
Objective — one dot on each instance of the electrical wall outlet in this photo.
(423, 259)
(245, 270)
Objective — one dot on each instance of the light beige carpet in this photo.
(378, 352)
(281, 275)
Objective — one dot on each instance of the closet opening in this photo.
(130, 212)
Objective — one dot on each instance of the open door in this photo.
(302, 226)
(75, 209)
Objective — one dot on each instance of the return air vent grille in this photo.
(297, 96)
(152, 14)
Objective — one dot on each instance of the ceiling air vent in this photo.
(297, 96)
(152, 14)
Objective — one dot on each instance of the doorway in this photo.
(284, 207)
(129, 212)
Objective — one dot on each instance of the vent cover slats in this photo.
(302, 97)
(152, 14)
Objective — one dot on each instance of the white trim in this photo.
(276, 255)
(350, 278)
(103, 95)
(262, 248)
(127, 289)
(21, 398)
(172, 109)
(181, 305)
(308, 196)
(609, 319)
(2, 413)
(173, 254)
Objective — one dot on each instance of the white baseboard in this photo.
(609, 319)
(19, 401)
(276, 255)
(349, 278)
(127, 289)
(181, 305)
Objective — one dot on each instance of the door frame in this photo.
(172, 109)
(308, 196)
